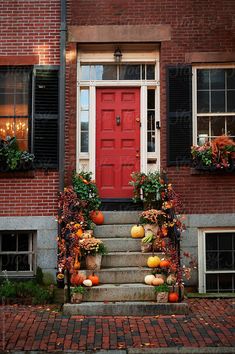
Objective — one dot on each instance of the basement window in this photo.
(219, 262)
(17, 256)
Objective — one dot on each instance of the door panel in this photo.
(117, 140)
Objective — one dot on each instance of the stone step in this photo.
(124, 244)
(120, 292)
(121, 217)
(115, 230)
(138, 308)
(127, 259)
(122, 275)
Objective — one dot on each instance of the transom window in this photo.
(215, 108)
(17, 252)
(219, 261)
(117, 72)
(15, 112)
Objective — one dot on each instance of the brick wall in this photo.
(197, 26)
(29, 197)
(30, 28)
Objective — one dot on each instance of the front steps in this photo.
(122, 290)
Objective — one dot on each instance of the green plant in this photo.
(147, 187)
(164, 288)
(39, 276)
(11, 157)
(8, 289)
(79, 290)
(153, 216)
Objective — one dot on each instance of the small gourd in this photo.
(164, 263)
(171, 279)
(77, 264)
(157, 281)
(149, 278)
(87, 282)
(137, 231)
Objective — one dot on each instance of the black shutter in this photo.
(46, 113)
(179, 114)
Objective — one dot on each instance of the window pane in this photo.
(217, 101)
(217, 77)
(7, 105)
(151, 99)
(231, 78)
(203, 79)
(8, 242)
(212, 262)
(211, 282)
(217, 126)
(150, 72)
(129, 72)
(104, 72)
(85, 72)
(7, 82)
(151, 120)
(84, 141)
(231, 101)
(225, 260)
(225, 282)
(9, 262)
(21, 128)
(21, 105)
(211, 242)
(202, 129)
(203, 101)
(23, 242)
(151, 141)
(84, 99)
(22, 82)
(226, 241)
(23, 262)
(7, 127)
(231, 126)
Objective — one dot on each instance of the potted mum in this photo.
(93, 249)
(152, 219)
(77, 294)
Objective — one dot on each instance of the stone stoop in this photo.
(122, 290)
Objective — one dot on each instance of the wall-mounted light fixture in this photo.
(117, 55)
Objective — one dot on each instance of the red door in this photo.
(117, 140)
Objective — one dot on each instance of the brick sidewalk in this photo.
(209, 324)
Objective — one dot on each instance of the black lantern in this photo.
(117, 55)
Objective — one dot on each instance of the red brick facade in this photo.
(196, 26)
(29, 34)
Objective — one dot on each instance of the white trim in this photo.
(92, 131)
(143, 129)
(202, 256)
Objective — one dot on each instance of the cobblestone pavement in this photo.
(210, 323)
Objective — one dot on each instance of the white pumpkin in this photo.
(148, 279)
(87, 282)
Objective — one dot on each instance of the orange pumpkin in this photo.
(173, 297)
(157, 281)
(94, 278)
(164, 263)
(137, 231)
(97, 217)
(77, 278)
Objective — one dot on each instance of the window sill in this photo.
(18, 174)
(198, 171)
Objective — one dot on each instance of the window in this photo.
(117, 72)
(151, 120)
(15, 107)
(29, 110)
(215, 108)
(84, 119)
(219, 261)
(17, 252)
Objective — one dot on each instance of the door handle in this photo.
(118, 120)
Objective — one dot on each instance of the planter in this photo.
(93, 262)
(153, 227)
(162, 297)
(76, 298)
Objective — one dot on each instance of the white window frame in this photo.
(194, 96)
(202, 257)
(90, 157)
(31, 252)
